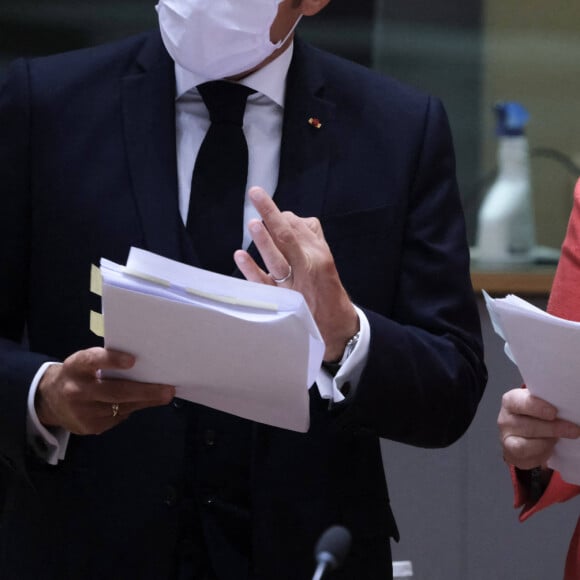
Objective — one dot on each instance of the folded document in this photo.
(247, 349)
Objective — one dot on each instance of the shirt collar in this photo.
(270, 80)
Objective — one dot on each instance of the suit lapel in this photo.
(306, 150)
(149, 123)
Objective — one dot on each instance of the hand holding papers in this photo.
(236, 346)
(545, 349)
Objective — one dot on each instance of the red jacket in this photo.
(565, 303)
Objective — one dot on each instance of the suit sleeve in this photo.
(564, 302)
(425, 373)
(17, 365)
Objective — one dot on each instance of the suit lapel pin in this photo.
(314, 122)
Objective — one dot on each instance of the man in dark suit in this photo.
(113, 479)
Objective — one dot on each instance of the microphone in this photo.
(331, 550)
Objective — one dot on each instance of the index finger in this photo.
(125, 391)
(522, 402)
(96, 358)
(266, 207)
(280, 229)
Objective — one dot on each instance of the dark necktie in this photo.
(218, 185)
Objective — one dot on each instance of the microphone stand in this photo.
(320, 569)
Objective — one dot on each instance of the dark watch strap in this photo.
(331, 367)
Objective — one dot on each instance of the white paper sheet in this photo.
(546, 350)
(244, 348)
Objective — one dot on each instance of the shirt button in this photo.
(171, 496)
(209, 437)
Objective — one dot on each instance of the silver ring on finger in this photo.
(115, 409)
(285, 278)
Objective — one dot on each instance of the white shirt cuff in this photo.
(351, 369)
(48, 444)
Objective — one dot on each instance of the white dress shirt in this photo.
(263, 120)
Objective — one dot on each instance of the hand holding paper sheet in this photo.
(236, 346)
(546, 350)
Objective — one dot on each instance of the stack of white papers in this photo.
(248, 349)
(546, 350)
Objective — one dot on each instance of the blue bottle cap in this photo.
(511, 118)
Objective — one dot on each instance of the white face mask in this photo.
(218, 38)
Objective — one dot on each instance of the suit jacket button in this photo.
(177, 403)
(171, 496)
(209, 437)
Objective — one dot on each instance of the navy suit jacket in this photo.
(87, 170)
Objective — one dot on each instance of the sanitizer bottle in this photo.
(505, 225)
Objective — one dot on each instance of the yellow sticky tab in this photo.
(234, 301)
(96, 281)
(147, 278)
(97, 324)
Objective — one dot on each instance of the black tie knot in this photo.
(225, 101)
